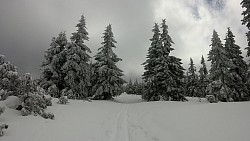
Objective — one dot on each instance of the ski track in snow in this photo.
(120, 130)
(126, 130)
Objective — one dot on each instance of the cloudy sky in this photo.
(27, 26)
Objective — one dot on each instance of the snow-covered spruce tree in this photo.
(135, 85)
(219, 72)
(150, 92)
(9, 79)
(192, 80)
(238, 71)
(140, 88)
(246, 21)
(108, 82)
(163, 73)
(130, 87)
(52, 74)
(203, 78)
(77, 66)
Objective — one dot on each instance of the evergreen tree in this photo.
(135, 85)
(77, 66)
(203, 78)
(203, 70)
(163, 73)
(9, 79)
(149, 74)
(192, 80)
(246, 21)
(238, 71)
(55, 57)
(219, 73)
(108, 81)
(140, 88)
(130, 87)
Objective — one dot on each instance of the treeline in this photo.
(136, 88)
(227, 80)
(67, 70)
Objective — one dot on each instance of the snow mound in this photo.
(12, 102)
(128, 99)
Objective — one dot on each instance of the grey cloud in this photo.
(27, 27)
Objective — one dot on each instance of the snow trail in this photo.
(120, 130)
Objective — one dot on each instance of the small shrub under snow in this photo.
(211, 98)
(48, 100)
(63, 100)
(25, 112)
(2, 110)
(36, 104)
(48, 115)
(2, 127)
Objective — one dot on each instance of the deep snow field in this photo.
(128, 118)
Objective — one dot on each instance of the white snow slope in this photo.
(128, 118)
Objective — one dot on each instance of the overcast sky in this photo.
(27, 27)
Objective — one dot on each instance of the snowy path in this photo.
(121, 129)
(126, 126)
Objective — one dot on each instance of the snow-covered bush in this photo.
(47, 115)
(9, 78)
(211, 99)
(3, 126)
(48, 100)
(2, 109)
(69, 93)
(34, 103)
(53, 91)
(25, 112)
(3, 94)
(63, 100)
(33, 98)
(46, 97)
(27, 84)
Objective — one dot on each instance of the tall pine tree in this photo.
(246, 21)
(203, 78)
(239, 70)
(77, 68)
(219, 72)
(192, 80)
(163, 73)
(55, 57)
(149, 65)
(108, 81)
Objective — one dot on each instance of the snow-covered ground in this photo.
(128, 118)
